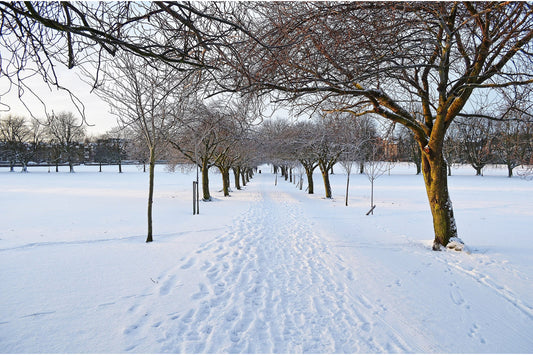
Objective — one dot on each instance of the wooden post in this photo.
(197, 198)
(194, 198)
(371, 210)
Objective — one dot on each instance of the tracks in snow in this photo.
(267, 285)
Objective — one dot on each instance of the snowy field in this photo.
(268, 270)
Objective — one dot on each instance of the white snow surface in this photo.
(270, 269)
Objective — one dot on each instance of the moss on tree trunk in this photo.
(325, 177)
(436, 181)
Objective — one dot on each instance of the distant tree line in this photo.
(59, 140)
(214, 138)
(477, 143)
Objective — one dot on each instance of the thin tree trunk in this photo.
(149, 238)
(372, 196)
(347, 186)
(510, 170)
(436, 181)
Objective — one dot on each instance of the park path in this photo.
(268, 284)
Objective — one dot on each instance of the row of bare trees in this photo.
(60, 139)
(477, 143)
(354, 57)
(320, 143)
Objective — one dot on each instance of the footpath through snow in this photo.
(285, 277)
(269, 284)
(269, 270)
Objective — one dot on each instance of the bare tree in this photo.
(225, 156)
(66, 133)
(303, 137)
(111, 148)
(148, 101)
(14, 133)
(409, 148)
(356, 137)
(280, 142)
(381, 58)
(475, 138)
(512, 144)
(199, 139)
(330, 144)
(34, 143)
(514, 131)
(376, 167)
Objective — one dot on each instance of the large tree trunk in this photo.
(479, 169)
(290, 175)
(327, 185)
(150, 194)
(310, 184)
(243, 177)
(236, 175)
(285, 172)
(225, 180)
(205, 180)
(436, 180)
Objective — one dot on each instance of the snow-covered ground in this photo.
(269, 269)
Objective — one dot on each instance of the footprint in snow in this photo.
(202, 293)
(189, 263)
(167, 286)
